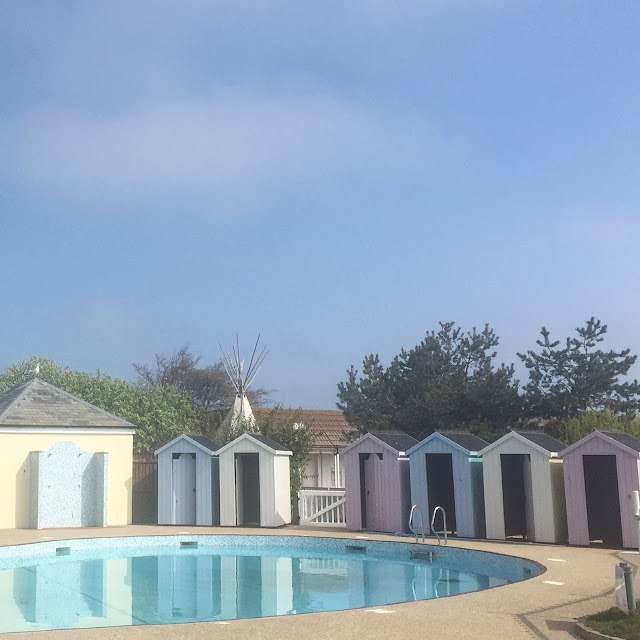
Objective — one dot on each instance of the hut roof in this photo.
(202, 442)
(36, 403)
(264, 441)
(395, 441)
(621, 440)
(468, 441)
(399, 441)
(543, 440)
(205, 442)
(539, 441)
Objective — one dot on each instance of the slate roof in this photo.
(36, 403)
(399, 441)
(204, 441)
(466, 440)
(272, 444)
(543, 440)
(329, 429)
(624, 438)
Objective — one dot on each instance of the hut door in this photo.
(373, 484)
(603, 501)
(248, 489)
(184, 488)
(514, 494)
(440, 490)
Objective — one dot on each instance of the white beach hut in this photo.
(188, 481)
(255, 488)
(524, 488)
(446, 471)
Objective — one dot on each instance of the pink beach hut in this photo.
(377, 488)
(600, 472)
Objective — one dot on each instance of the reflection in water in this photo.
(190, 586)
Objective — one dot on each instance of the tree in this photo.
(565, 381)
(571, 430)
(209, 387)
(447, 382)
(160, 413)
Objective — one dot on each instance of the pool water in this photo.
(174, 581)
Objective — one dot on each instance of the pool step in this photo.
(355, 548)
(427, 556)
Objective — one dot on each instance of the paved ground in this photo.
(578, 581)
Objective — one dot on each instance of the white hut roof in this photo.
(539, 441)
(36, 403)
(263, 441)
(202, 442)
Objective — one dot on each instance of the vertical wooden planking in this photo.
(165, 492)
(203, 489)
(493, 501)
(477, 490)
(353, 513)
(418, 484)
(227, 489)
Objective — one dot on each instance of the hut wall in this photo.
(204, 499)
(390, 504)
(282, 491)
(275, 493)
(477, 490)
(419, 495)
(628, 467)
(541, 516)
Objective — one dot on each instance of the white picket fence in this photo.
(323, 507)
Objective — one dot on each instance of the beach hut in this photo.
(446, 471)
(524, 488)
(188, 481)
(255, 488)
(600, 472)
(63, 462)
(377, 487)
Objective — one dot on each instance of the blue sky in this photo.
(338, 177)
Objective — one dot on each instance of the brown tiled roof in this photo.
(328, 427)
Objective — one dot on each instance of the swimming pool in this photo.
(104, 582)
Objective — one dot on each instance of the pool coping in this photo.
(578, 581)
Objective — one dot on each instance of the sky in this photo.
(338, 177)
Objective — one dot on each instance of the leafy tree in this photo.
(160, 413)
(446, 382)
(209, 387)
(576, 376)
(571, 430)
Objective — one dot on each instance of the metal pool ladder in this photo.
(415, 508)
(444, 520)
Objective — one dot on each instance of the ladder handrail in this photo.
(414, 508)
(444, 519)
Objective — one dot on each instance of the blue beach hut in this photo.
(446, 471)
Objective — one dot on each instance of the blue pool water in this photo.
(172, 579)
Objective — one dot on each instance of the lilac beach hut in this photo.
(600, 472)
(377, 487)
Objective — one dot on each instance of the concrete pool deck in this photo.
(578, 581)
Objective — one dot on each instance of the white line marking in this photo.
(630, 553)
(553, 582)
(556, 560)
(379, 611)
(186, 533)
(363, 537)
(222, 622)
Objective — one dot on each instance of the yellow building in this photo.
(63, 461)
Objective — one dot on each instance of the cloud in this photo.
(237, 145)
